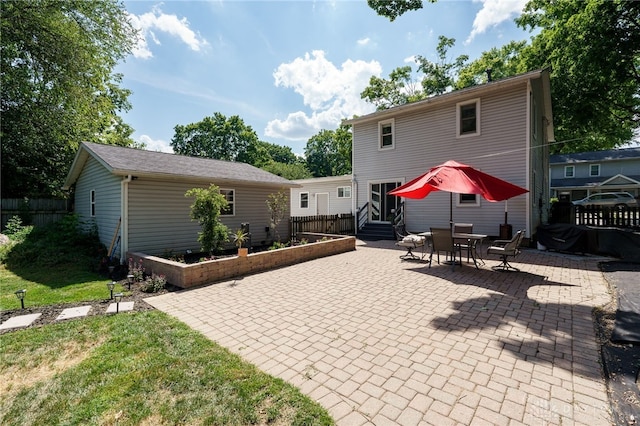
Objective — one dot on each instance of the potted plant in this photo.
(239, 237)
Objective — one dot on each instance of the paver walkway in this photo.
(380, 341)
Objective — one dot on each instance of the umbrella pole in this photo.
(451, 211)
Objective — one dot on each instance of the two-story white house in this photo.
(576, 176)
(502, 128)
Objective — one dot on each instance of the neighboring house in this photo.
(145, 190)
(576, 176)
(322, 196)
(502, 128)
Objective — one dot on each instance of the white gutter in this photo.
(124, 215)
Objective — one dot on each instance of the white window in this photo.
(92, 202)
(230, 195)
(468, 200)
(569, 171)
(304, 200)
(344, 192)
(594, 170)
(468, 118)
(386, 137)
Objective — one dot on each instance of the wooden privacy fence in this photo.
(37, 211)
(326, 224)
(625, 217)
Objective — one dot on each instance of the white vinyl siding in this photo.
(95, 177)
(428, 137)
(159, 216)
(325, 185)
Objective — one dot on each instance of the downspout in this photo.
(124, 215)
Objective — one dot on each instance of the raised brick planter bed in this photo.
(191, 275)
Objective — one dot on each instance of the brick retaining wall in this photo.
(190, 275)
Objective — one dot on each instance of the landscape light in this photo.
(20, 295)
(118, 297)
(110, 286)
(130, 280)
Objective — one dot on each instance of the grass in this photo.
(143, 368)
(48, 286)
(127, 369)
(55, 264)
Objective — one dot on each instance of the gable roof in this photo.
(122, 161)
(591, 156)
(495, 85)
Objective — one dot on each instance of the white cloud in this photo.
(494, 12)
(150, 23)
(331, 93)
(364, 41)
(155, 145)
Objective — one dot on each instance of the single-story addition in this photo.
(502, 127)
(578, 175)
(144, 192)
(329, 195)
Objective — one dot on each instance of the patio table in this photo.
(473, 240)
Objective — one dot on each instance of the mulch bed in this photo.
(98, 307)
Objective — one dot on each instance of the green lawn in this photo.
(51, 285)
(138, 368)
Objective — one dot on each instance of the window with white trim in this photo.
(468, 200)
(344, 192)
(386, 136)
(468, 118)
(594, 170)
(569, 171)
(92, 202)
(304, 200)
(230, 195)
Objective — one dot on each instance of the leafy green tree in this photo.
(434, 78)
(293, 171)
(58, 87)
(502, 62)
(592, 48)
(329, 152)
(215, 137)
(399, 89)
(440, 77)
(206, 208)
(260, 153)
(394, 8)
(277, 204)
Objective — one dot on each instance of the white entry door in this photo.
(322, 203)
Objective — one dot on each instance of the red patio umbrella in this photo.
(459, 178)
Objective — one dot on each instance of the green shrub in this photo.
(154, 283)
(57, 243)
(15, 230)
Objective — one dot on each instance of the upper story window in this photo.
(304, 200)
(569, 171)
(468, 118)
(386, 136)
(92, 202)
(230, 195)
(594, 170)
(468, 200)
(344, 192)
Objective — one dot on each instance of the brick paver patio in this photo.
(379, 341)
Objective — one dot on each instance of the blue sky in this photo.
(287, 68)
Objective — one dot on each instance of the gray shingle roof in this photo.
(129, 161)
(609, 154)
